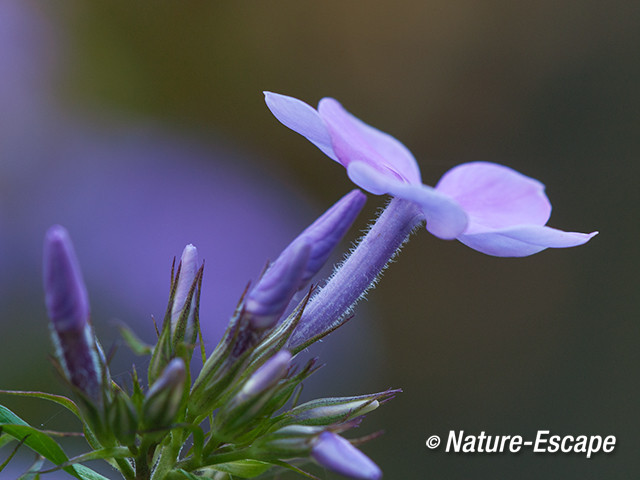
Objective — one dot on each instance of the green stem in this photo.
(143, 472)
(125, 468)
(169, 456)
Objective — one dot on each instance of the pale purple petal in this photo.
(495, 196)
(301, 118)
(445, 218)
(355, 141)
(338, 455)
(523, 240)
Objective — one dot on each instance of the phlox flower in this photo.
(488, 207)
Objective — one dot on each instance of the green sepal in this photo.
(181, 327)
(122, 418)
(242, 468)
(162, 354)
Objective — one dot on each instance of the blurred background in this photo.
(142, 128)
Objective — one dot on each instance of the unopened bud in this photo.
(268, 300)
(255, 395)
(291, 441)
(326, 232)
(163, 399)
(123, 419)
(328, 411)
(265, 377)
(338, 455)
(186, 279)
(68, 308)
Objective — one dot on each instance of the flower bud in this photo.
(338, 455)
(327, 411)
(326, 232)
(289, 442)
(265, 377)
(123, 419)
(254, 397)
(68, 308)
(186, 278)
(268, 300)
(163, 399)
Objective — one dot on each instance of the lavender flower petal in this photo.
(337, 454)
(445, 218)
(353, 140)
(301, 118)
(523, 240)
(495, 196)
(477, 198)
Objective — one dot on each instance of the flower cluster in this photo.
(240, 416)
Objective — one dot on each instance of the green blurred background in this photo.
(550, 88)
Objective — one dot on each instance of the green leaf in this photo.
(88, 474)
(5, 438)
(136, 345)
(243, 468)
(189, 476)
(42, 444)
(59, 399)
(101, 454)
(15, 450)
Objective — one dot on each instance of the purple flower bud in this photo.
(68, 308)
(324, 234)
(163, 398)
(184, 330)
(188, 270)
(268, 300)
(65, 293)
(266, 376)
(337, 454)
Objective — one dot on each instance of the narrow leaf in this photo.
(59, 399)
(15, 450)
(136, 345)
(34, 471)
(42, 444)
(101, 454)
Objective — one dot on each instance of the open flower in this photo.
(489, 207)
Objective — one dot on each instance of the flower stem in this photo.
(329, 308)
